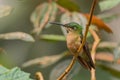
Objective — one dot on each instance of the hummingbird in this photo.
(74, 38)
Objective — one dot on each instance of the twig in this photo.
(87, 26)
(95, 44)
(39, 76)
(68, 69)
(85, 34)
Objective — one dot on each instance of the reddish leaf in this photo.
(100, 24)
(105, 56)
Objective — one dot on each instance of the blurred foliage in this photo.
(45, 61)
(5, 10)
(42, 12)
(17, 35)
(109, 69)
(116, 53)
(68, 4)
(108, 4)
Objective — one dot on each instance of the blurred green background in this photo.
(17, 51)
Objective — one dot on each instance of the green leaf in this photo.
(108, 17)
(50, 37)
(17, 35)
(3, 70)
(69, 4)
(13, 74)
(108, 4)
(5, 10)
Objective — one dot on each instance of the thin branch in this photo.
(87, 26)
(39, 76)
(85, 35)
(91, 12)
(68, 68)
(94, 47)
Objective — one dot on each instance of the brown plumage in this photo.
(73, 43)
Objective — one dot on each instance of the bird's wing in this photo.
(88, 54)
(84, 63)
(85, 59)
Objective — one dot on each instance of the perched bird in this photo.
(74, 40)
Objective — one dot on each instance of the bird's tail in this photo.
(84, 63)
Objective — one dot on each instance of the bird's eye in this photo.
(74, 28)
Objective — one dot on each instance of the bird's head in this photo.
(72, 26)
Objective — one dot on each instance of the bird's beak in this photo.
(64, 25)
(56, 23)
